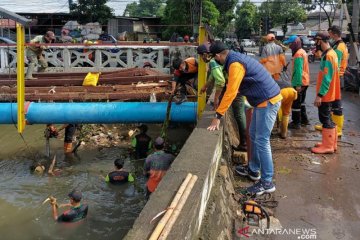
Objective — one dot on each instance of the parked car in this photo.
(352, 79)
(107, 38)
(307, 43)
(247, 43)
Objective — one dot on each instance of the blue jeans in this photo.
(262, 123)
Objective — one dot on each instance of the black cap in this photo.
(203, 48)
(322, 36)
(218, 47)
(76, 195)
(159, 141)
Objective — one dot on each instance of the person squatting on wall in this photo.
(185, 73)
(34, 53)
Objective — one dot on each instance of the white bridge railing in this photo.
(86, 58)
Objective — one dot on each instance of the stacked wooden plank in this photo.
(134, 84)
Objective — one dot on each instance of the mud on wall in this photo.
(221, 208)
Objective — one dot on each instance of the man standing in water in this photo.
(156, 165)
(77, 211)
(119, 176)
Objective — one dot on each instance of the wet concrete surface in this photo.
(318, 192)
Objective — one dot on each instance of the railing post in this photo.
(20, 35)
(66, 59)
(98, 60)
(201, 76)
(129, 58)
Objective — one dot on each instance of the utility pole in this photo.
(70, 4)
(319, 18)
(341, 16)
(196, 6)
(354, 52)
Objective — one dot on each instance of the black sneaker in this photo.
(244, 170)
(260, 188)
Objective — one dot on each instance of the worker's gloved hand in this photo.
(52, 200)
(51, 132)
(203, 89)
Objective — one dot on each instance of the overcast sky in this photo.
(52, 6)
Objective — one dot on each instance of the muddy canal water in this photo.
(112, 209)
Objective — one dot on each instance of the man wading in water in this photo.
(39, 168)
(77, 211)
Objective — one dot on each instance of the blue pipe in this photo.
(89, 112)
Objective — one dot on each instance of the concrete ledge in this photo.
(200, 155)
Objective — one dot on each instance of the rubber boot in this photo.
(339, 121)
(318, 127)
(336, 138)
(295, 124)
(335, 142)
(30, 71)
(67, 147)
(328, 140)
(284, 126)
(303, 116)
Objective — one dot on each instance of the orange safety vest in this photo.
(274, 58)
(191, 65)
(305, 73)
(328, 72)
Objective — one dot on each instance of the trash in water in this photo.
(152, 97)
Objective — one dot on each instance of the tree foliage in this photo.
(245, 22)
(177, 17)
(210, 14)
(283, 12)
(145, 8)
(226, 8)
(327, 6)
(178, 14)
(91, 11)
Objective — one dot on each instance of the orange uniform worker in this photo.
(273, 57)
(326, 91)
(300, 80)
(185, 72)
(289, 94)
(342, 53)
(156, 165)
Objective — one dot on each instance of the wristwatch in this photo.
(218, 115)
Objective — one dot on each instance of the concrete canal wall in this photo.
(207, 213)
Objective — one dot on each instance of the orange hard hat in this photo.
(270, 37)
